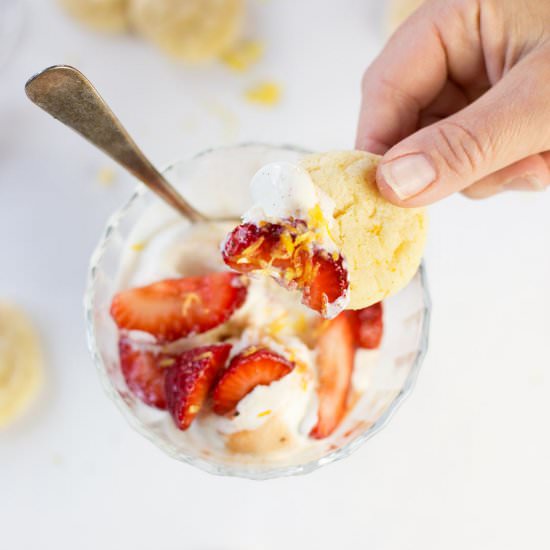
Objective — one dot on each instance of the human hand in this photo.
(459, 100)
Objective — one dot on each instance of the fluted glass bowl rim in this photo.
(232, 470)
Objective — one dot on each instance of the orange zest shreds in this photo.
(304, 384)
(300, 323)
(243, 55)
(253, 248)
(304, 239)
(308, 270)
(278, 325)
(205, 355)
(287, 243)
(264, 93)
(288, 226)
(249, 351)
(301, 367)
(329, 233)
(280, 252)
(167, 362)
(289, 274)
(138, 247)
(193, 409)
(264, 413)
(318, 221)
(188, 302)
(335, 255)
(315, 216)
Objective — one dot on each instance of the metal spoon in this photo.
(67, 95)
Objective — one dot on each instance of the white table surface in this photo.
(465, 462)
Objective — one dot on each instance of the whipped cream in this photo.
(283, 189)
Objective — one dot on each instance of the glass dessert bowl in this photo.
(146, 242)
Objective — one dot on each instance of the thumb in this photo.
(505, 125)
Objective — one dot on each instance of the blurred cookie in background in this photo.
(191, 30)
(103, 15)
(21, 363)
(399, 10)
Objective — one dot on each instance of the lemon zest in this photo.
(188, 301)
(138, 247)
(243, 55)
(265, 93)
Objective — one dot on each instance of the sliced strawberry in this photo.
(143, 371)
(368, 325)
(175, 308)
(288, 252)
(250, 247)
(335, 355)
(329, 282)
(251, 368)
(190, 379)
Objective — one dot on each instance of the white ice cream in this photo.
(283, 190)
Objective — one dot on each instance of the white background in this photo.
(465, 462)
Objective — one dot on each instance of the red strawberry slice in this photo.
(190, 379)
(176, 308)
(143, 372)
(287, 250)
(250, 247)
(335, 356)
(369, 325)
(251, 368)
(328, 283)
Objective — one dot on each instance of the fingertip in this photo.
(386, 190)
(423, 198)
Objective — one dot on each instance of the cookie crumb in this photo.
(138, 247)
(106, 176)
(243, 55)
(265, 93)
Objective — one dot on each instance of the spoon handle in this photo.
(67, 95)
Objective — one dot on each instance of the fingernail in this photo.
(408, 175)
(525, 183)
